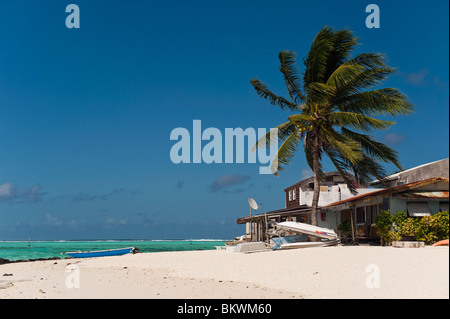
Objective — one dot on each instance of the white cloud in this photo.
(111, 221)
(227, 181)
(32, 194)
(7, 192)
(10, 193)
(393, 139)
(50, 220)
(418, 78)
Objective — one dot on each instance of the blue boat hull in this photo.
(101, 253)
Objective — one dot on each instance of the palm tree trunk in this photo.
(316, 194)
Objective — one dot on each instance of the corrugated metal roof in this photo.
(279, 212)
(426, 195)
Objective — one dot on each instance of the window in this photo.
(360, 215)
(380, 208)
(372, 211)
(290, 195)
(386, 203)
(418, 209)
(293, 195)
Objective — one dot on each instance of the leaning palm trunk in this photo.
(333, 110)
(316, 194)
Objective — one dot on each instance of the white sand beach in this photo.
(331, 272)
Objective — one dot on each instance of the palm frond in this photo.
(320, 93)
(369, 60)
(343, 44)
(367, 169)
(346, 71)
(373, 148)
(300, 119)
(365, 79)
(387, 101)
(291, 76)
(274, 99)
(364, 170)
(284, 130)
(286, 152)
(341, 166)
(316, 60)
(358, 121)
(347, 147)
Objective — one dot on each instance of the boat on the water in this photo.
(101, 253)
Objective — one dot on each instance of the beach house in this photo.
(298, 200)
(419, 191)
(417, 199)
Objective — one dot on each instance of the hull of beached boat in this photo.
(250, 247)
(441, 243)
(307, 229)
(101, 253)
(308, 244)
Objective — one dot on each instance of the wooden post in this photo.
(353, 224)
(267, 228)
(257, 231)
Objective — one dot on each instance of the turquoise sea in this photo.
(15, 250)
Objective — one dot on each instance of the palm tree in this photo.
(334, 107)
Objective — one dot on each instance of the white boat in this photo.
(101, 253)
(250, 247)
(328, 237)
(307, 229)
(305, 244)
(277, 242)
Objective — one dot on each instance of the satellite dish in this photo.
(253, 204)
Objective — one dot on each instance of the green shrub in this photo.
(442, 225)
(433, 228)
(383, 225)
(429, 229)
(398, 218)
(410, 227)
(404, 225)
(345, 227)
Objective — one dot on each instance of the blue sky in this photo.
(86, 113)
